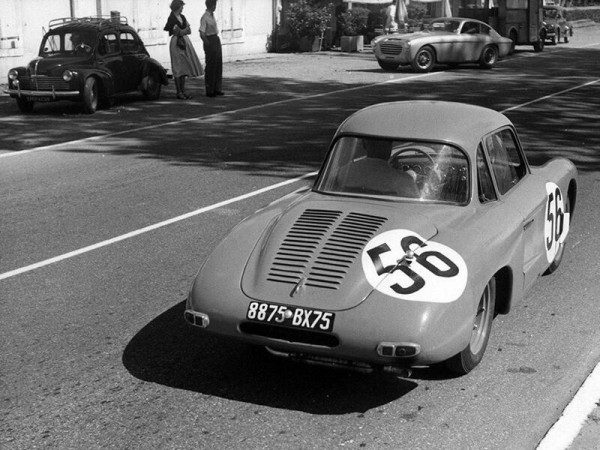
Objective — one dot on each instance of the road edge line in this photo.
(564, 431)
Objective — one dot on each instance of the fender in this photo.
(107, 84)
(151, 65)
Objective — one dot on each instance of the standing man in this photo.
(209, 33)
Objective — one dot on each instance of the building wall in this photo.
(245, 25)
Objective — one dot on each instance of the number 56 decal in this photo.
(557, 221)
(436, 273)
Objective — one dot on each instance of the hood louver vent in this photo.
(321, 246)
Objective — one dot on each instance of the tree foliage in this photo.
(307, 19)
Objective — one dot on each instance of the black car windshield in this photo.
(442, 25)
(396, 169)
(68, 43)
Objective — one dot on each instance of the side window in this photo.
(485, 187)
(129, 43)
(485, 29)
(506, 161)
(470, 28)
(108, 44)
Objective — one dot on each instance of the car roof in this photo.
(91, 26)
(451, 122)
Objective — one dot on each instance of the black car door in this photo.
(111, 60)
(133, 55)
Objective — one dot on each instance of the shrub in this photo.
(354, 22)
(306, 20)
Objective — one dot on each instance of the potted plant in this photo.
(353, 25)
(307, 23)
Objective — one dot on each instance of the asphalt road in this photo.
(94, 350)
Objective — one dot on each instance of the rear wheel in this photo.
(557, 38)
(385, 65)
(488, 57)
(539, 45)
(25, 106)
(467, 360)
(151, 87)
(513, 37)
(424, 60)
(90, 95)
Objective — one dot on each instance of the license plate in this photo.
(39, 99)
(290, 316)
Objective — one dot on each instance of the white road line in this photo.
(563, 433)
(219, 114)
(546, 97)
(155, 226)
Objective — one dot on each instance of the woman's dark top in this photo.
(172, 21)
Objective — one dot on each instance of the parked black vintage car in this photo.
(556, 24)
(89, 60)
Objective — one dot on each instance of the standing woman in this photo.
(184, 60)
(212, 49)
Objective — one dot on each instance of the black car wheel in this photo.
(388, 65)
(25, 106)
(489, 57)
(151, 87)
(539, 45)
(556, 39)
(566, 38)
(90, 95)
(424, 60)
(467, 360)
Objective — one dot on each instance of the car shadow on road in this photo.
(169, 352)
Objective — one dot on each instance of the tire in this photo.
(25, 106)
(513, 37)
(553, 40)
(152, 87)
(566, 38)
(539, 45)
(424, 60)
(556, 39)
(465, 361)
(561, 250)
(489, 57)
(90, 95)
(388, 65)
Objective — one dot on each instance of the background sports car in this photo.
(444, 40)
(424, 222)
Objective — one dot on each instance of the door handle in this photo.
(528, 223)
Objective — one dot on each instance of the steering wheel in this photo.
(83, 48)
(422, 178)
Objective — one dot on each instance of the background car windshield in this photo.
(394, 169)
(443, 25)
(67, 44)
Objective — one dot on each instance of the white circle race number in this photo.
(557, 221)
(435, 273)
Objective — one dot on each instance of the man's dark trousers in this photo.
(213, 74)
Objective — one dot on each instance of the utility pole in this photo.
(99, 8)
